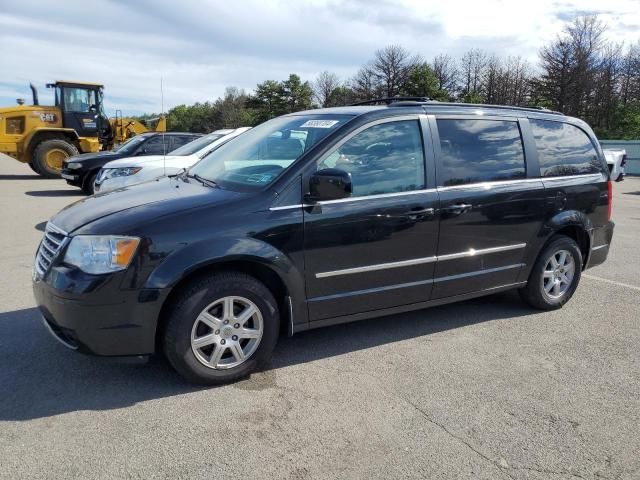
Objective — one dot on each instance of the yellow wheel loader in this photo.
(43, 136)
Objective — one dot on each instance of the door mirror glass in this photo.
(329, 184)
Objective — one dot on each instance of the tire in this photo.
(184, 323)
(61, 148)
(552, 297)
(87, 186)
(33, 167)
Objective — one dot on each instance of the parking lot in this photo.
(488, 388)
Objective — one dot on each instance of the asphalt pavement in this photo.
(484, 389)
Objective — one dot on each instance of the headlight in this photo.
(119, 172)
(74, 166)
(101, 254)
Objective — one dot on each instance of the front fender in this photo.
(206, 253)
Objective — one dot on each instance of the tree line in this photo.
(580, 73)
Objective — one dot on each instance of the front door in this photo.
(375, 249)
(80, 110)
(489, 210)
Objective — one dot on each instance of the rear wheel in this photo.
(221, 328)
(49, 155)
(555, 275)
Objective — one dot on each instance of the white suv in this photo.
(133, 170)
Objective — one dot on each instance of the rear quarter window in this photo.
(475, 151)
(564, 149)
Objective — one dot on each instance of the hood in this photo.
(155, 198)
(95, 157)
(143, 160)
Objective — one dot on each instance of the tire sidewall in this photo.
(178, 335)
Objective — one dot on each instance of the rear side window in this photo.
(480, 151)
(563, 149)
(384, 158)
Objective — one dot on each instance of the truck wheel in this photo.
(49, 155)
(33, 167)
(555, 275)
(221, 328)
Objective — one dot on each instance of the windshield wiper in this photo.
(205, 181)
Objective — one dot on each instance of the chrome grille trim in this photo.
(53, 240)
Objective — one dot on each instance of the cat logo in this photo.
(48, 117)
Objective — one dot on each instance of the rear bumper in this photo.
(97, 317)
(601, 243)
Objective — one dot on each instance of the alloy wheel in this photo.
(558, 274)
(227, 332)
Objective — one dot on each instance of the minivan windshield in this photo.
(197, 145)
(255, 158)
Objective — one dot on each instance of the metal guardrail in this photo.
(633, 153)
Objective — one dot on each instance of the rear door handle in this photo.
(458, 208)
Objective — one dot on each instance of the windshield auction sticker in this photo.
(319, 123)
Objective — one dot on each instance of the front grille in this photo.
(52, 242)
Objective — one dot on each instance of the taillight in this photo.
(609, 199)
(624, 160)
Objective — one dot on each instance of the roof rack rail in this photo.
(497, 107)
(390, 100)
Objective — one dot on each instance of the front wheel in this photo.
(221, 328)
(555, 275)
(49, 155)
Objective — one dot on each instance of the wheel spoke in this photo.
(548, 274)
(246, 314)
(237, 351)
(249, 333)
(227, 309)
(548, 286)
(554, 261)
(204, 340)
(209, 320)
(566, 279)
(216, 355)
(556, 288)
(563, 259)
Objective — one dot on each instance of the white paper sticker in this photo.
(319, 123)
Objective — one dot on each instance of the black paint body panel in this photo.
(407, 241)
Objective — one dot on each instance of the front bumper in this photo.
(92, 314)
(73, 177)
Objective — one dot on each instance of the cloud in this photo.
(199, 48)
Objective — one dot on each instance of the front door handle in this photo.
(420, 213)
(458, 208)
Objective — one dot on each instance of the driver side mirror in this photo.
(142, 151)
(329, 184)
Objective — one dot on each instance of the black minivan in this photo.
(323, 217)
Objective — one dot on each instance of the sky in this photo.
(198, 48)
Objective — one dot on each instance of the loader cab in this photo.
(81, 106)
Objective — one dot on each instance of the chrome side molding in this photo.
(418, 261)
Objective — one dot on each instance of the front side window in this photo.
(257, 157)
(79, 100)
(384, 158)
(156, 146)
(563, 149)
(480, 151)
